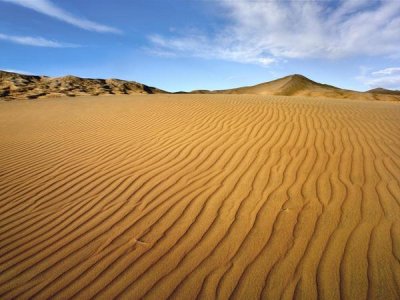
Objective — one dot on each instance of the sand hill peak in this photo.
(384, 91)
(299, 85)
(21, 86)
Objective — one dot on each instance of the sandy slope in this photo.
(14, 86)
(200, 195)
(299, 85)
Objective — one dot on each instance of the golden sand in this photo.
(209, 196)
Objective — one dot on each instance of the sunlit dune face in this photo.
(209, 196)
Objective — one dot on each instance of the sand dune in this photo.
(384, 91)
(209, 196)
(20, 86)
(15, 86)
(298, 85)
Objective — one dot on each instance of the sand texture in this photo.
(208, 196)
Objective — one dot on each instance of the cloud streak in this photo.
(387, 71)
(386, 78)
(35, 41)
(200, 46)
(46, 7)
(266, 31)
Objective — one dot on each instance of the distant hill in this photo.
(299, 85)
(19, 86)
(384, 91)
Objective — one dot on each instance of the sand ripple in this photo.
(209, 196)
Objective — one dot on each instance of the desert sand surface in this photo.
(207, 196)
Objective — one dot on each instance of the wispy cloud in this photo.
(386, 78)
(387, 71)
(50, 9)
(35, 41)
(200, 46)
(265, 31)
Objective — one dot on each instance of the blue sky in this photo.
(209, 44)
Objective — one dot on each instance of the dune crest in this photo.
(299, 85)
(18, 86)
(384, 91)
(208, 196)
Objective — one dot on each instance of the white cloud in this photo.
(200, 46)
(387, 78)
(387, 71)
(35, 41)
(265, 31)
(48, 8)
(389, 82)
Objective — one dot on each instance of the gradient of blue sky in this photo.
(193, 44)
